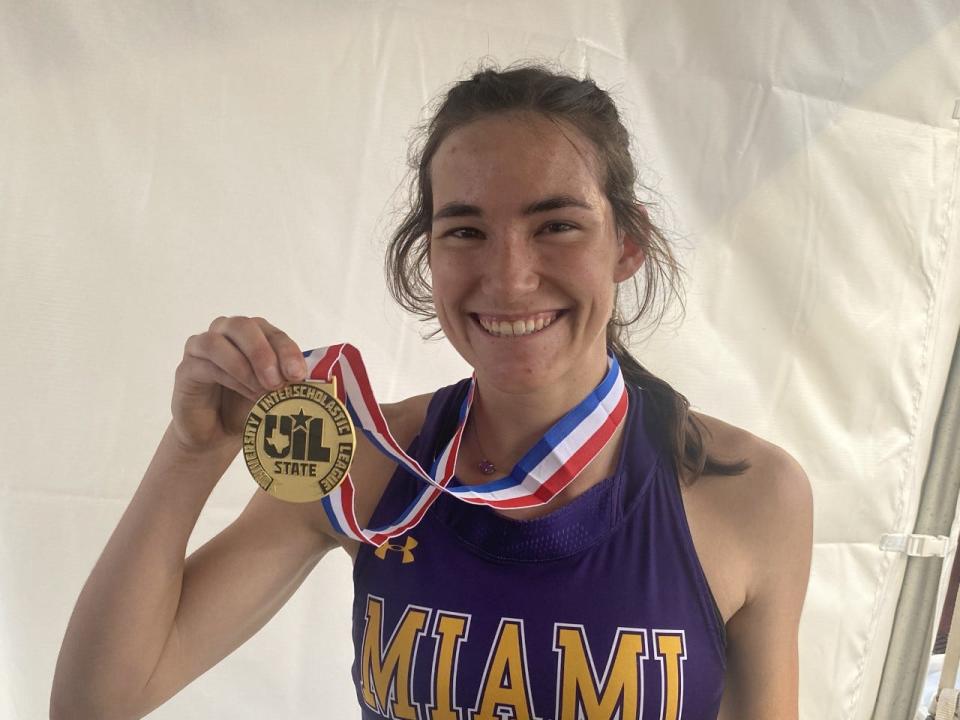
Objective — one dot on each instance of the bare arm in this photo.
(232, 586)
(126, 608)
(148, 621)
(762, 678)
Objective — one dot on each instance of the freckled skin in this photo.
(504, 262)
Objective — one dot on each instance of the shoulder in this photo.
(405, 417)
(773, 471)
(769, 508)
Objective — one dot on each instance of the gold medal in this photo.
(298, 441)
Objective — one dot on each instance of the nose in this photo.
(510, 267)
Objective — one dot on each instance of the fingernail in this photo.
(273, 376)
(294, 368)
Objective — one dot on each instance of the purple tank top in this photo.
(598, 610)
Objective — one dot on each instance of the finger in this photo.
(248, 337)
(289, 354)
(204, 372)
(217, 349)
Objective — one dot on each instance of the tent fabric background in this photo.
(165, 163)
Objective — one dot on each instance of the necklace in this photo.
(484, 466)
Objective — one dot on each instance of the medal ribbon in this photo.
(545, 470)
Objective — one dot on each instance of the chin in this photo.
(519, 376)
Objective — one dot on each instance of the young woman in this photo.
(665, 581)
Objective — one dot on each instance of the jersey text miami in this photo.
(386, 670)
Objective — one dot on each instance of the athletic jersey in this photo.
(599, 609)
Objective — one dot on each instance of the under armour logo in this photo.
(407, 549)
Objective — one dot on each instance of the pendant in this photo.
(486, 467)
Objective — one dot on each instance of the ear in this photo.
(630, 260)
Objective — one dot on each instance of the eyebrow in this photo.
(554, 202)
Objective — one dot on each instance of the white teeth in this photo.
(505, 328)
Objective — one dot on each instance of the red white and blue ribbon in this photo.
(545, 470)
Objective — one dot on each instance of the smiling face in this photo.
(524, 252)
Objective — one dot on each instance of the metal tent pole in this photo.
(911, 639)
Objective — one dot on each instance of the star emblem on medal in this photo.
(300, 419)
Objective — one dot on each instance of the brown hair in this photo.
(581, 104)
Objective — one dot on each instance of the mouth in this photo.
(516, 326)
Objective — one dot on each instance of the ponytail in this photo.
(668, 417)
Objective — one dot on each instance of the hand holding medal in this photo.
(223, 372)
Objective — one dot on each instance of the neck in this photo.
(530, 414)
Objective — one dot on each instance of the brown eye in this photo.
(463, 233)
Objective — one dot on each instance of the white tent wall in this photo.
(165, 163)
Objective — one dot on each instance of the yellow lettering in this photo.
(670, 650)
(382, 671)
(450, 630)
(621, 686)
(505, 682)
